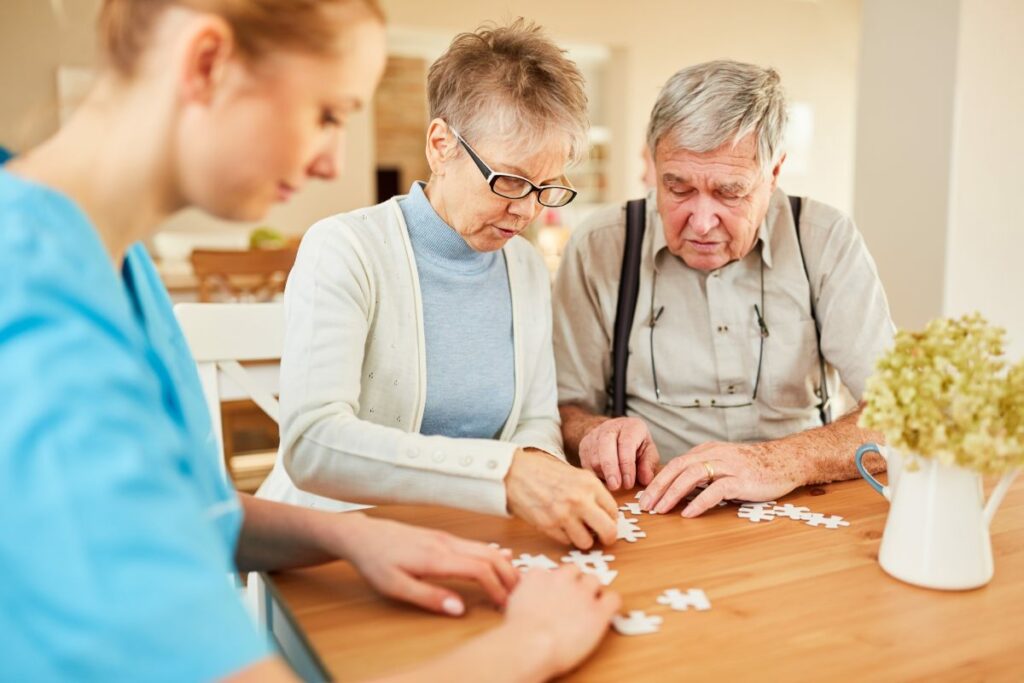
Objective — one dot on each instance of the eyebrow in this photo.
(737, 187)
(519, 171)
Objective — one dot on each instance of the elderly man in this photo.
(739, 319)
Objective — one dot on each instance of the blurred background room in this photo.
(904, 113)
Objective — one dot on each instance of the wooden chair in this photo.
(243, 276)
(221, 338)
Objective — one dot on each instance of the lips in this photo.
(505, 232)
(704, 247)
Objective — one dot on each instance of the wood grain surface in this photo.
(789, 601)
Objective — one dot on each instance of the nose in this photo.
(326, 163)
(526, 207)
(704, 218)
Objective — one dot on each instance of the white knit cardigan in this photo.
(353, 376)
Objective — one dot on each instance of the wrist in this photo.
(341, 532)
(532, 654)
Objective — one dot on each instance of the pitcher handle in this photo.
(868, 477)
(998, 493)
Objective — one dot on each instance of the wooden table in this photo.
(789, 601)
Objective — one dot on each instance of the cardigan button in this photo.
(438, 456)
(466, 461)
(411, 453)
(492, 464)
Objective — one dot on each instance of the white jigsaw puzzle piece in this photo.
(525, 562)
(757, 512)
(829, 522)
(631, 508)
(595, 562)
(792, 511)
(637, 623)
(680, 601)
(628, 530)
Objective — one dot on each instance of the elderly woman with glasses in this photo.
(418, 365)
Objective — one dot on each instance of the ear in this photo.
(441, 143)
(207, 49)
(776, 170)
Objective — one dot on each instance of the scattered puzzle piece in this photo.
(637, 623)
(829, 522)
(791, 511)
(757, 512)
(628, 529)
(595, 562)
(526, 562)
(631, 508)
(680, 601)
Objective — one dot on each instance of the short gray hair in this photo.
(509, 79)
(705, 106)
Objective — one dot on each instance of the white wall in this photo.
(939, 148)
(904, 148)
(987, 202)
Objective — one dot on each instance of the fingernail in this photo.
(613, 483)
(453, 606)
(628, 483)
(687, 511)
(506, 552)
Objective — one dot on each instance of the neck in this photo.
(113, 160)
(434, 197)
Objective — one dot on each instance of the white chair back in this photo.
(221, 335)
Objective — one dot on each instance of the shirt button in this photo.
(438, 456)
(466, 461)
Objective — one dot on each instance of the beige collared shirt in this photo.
(705, 347)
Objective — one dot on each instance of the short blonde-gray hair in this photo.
(705, 106)
(509, 80)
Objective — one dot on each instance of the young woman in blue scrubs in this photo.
(116, 529)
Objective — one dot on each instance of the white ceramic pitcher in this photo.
(936, 534)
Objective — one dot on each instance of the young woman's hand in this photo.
(400, 560)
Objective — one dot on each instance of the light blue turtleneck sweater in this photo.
(467, 319)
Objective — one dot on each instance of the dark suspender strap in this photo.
(824, 407)
(629, 286)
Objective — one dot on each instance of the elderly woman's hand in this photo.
(568, 504)
(755, 472)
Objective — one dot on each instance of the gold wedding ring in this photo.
(710, 470)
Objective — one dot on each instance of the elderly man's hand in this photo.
(755, 472)
(565, 502)
(621, 452)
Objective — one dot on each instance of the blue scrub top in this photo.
(117, 530)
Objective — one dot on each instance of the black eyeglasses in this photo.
(512, 186)
(719, 401)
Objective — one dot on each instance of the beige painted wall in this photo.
(939, 143)
(987, 214)
(812, 44)
(904, 148)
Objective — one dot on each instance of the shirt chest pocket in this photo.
(791, 366)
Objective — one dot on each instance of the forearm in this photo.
(506, 654)
(279, 536)
(826, 453)
(576, 423)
